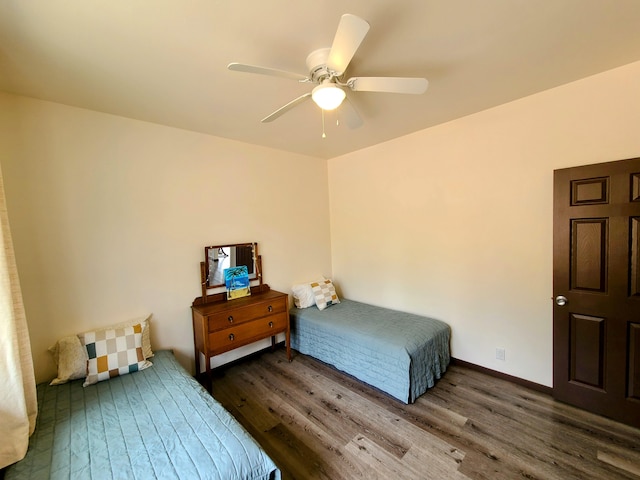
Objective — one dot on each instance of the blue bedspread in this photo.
(156, 423)
(399, 353)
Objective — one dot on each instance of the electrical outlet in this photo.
(500, 354)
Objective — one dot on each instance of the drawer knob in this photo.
(230, 318)
(270, 324)
(270, 308)
(231, 336)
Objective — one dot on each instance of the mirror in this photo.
(220, 257)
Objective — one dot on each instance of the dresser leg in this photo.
(209, 385)
(208, 377)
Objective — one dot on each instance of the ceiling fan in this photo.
(326, 69)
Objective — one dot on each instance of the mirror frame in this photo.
(255, 276)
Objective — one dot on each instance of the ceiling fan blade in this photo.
(351, 31)
(388, 84)
(284, 109)
(241, 67)
(350, 114)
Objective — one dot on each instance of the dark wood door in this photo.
(244, 256)
(596, 268)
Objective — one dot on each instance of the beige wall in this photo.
(110, 217)
(455, 222)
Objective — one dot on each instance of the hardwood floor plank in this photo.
(384, 428)
(354, 413)
(379, 464)
(526, 427)
(310, 399)
(414, 464)
(621, 459)
(317, 422)
(402, 439)
(522, 455)
(299, 460)
(433, 462)
(240, 402)
(297, 414)
(428, 416)
(541, 405)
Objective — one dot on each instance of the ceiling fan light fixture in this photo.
(328, 96)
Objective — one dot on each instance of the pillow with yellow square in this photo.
(113, 352)
(70, 354)
(325, 293)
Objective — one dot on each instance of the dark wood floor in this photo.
(318, 423)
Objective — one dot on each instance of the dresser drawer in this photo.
(236, 316)
(247, 332)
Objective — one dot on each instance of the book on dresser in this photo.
(236, 280)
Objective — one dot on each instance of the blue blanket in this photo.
(399, 353)
(156, 423)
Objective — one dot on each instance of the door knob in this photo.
(561, 300)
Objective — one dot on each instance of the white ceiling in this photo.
(164, 61)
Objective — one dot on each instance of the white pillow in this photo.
(303, 296)
(71, 359)
(325, 293)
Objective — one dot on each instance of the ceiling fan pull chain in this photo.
(324, 135)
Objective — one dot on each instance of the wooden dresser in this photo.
(223, 325)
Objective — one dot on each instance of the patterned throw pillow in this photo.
(70, 354)
(325, 293)
(113, 352)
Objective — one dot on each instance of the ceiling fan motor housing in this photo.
(317, 65)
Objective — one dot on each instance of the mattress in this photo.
(400, 353)
(156, 423)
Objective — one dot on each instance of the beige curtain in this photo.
(18, 403)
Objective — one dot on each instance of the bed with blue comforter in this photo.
(155, 423)
(400, 353)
